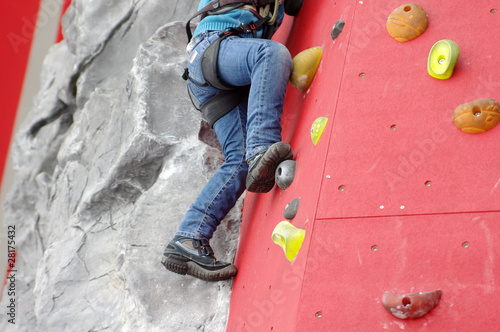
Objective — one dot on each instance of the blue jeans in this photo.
(247, 130)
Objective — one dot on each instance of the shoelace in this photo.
(254, 160)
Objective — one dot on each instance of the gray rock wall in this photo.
(108, 162)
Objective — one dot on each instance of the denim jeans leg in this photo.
(227, 184)
(248, 129)
(266, 65)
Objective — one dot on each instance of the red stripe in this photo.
(59, 32)
(17, 29)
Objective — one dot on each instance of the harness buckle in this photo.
(248, 27)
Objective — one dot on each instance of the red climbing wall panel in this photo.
(393, 133)
(456, 253)
(393, 197)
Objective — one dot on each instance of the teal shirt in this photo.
(231, 19)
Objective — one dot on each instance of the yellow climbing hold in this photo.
(317, 129)
(289, 238)
(442, 59)
(305, 65)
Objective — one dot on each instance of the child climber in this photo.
(252, 72)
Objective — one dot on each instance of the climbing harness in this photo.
(260, 8)
(229, 97)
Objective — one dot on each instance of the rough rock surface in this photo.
(108, 162)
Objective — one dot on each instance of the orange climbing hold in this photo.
(477, 116)
(407, 22)
(410, 306)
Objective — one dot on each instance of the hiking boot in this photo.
(261, 173)
(185, 255)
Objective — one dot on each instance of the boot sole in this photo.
(182, 265)
(262, 178)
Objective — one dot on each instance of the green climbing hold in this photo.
(442, 59)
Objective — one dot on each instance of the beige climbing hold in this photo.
(305, 65)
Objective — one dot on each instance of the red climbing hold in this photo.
(410, 306)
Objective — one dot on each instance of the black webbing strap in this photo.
(252, 27)
(228, 98)
(209, 65)
(222, 103)
(203, 247)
